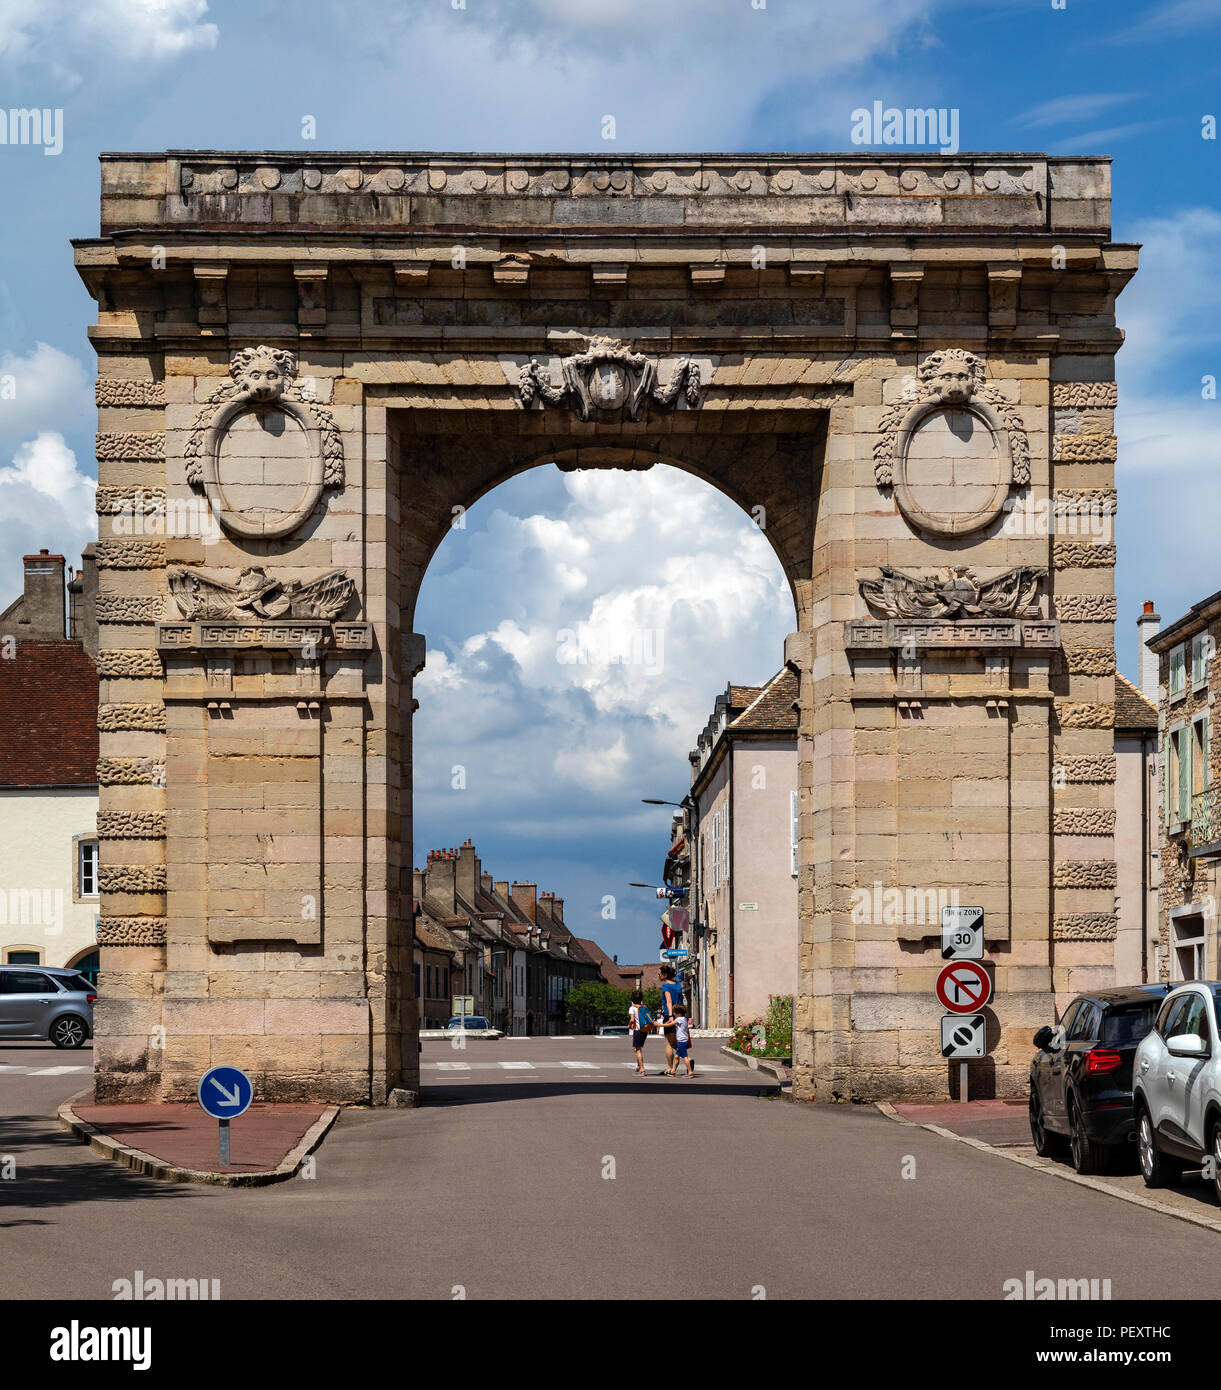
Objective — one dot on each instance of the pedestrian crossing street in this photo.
(42, 1071)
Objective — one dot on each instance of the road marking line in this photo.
(54, 1071)
(450, 1066)
(582, 1066)
(522, 1066)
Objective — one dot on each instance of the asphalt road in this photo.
(549, 1181)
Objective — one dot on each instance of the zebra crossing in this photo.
(12, 1070)
(573, 1066)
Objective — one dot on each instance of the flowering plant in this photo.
(769, 1036)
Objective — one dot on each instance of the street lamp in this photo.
(657, 801)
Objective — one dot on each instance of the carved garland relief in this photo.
(952, 448)
(260, 450)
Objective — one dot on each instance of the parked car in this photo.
(1081, 1076)
(472, 1023)
(40, 1002)
(1177, 1092)
(613, 1030)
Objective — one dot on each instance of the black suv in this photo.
(1081, 1077)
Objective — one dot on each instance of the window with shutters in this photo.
(1199, 754)
(726, 869)
(1201, 647)
(793, 828)
(716, 851)
(1178, 672)
(1177, 790)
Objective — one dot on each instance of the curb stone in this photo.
(1211, 1223)
(151, 1167)
(766, 1064)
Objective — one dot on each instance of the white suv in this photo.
(1176, 1091)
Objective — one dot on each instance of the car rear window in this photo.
(77, 982)
(1128, 1023)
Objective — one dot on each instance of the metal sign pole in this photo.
(224, 1142)
(962, 1082)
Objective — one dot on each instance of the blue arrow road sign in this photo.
(225, 1092)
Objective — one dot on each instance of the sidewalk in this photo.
(1003, 1123)
(181, 1144)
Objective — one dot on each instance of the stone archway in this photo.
(331, 354)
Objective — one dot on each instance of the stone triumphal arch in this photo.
(903, 367)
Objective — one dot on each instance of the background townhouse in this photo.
(743, 828)
(49, 869)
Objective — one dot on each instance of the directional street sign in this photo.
(964, 986)
(676, 955)
(963, 1037)
(962, 933)
(225, 1092)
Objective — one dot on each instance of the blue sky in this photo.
(558, 756)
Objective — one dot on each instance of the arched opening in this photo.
(484, 519)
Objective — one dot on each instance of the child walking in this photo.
(682, 1041)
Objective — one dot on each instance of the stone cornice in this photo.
(872, 189)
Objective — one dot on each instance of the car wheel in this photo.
(1215, 1153)
(1087, 1157)
(1156, 1169)
(1046, 1144)
(69, 1031)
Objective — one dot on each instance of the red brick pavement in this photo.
(183, 1135)
(1002, 1122)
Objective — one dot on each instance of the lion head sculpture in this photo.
(952, 375)
(263, 373)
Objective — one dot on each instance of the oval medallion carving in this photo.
(953, 470)
(953, 448)
(262, 453)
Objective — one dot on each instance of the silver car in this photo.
(37, 1001)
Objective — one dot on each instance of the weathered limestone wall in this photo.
(886, 357)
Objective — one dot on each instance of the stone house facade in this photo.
(1189, 678)
(508, 947)
(901, 365)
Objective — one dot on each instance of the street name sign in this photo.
(963, 986)
(676, 955)
(962, 933)
(963, 1037)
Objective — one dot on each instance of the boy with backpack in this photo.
(641, 1019)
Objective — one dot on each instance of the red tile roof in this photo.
(48, 716)
(1133, 711)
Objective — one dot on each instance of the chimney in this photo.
(468, 872)
(524, 897)
(440, 878)
(83, 602)
(417, 884)
(557, 909)
(41, 615)
(1148, 625)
